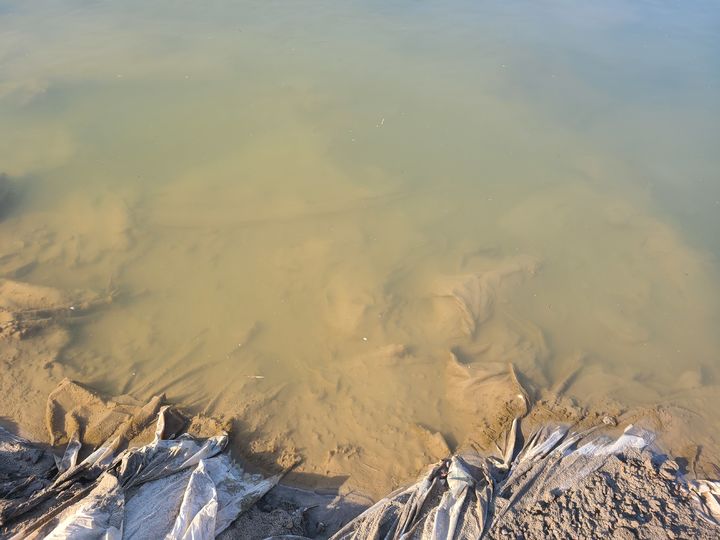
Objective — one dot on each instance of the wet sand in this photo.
(634, 494)
(484, 396)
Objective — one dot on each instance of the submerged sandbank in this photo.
(35, 329)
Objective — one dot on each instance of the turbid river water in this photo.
(312, 211)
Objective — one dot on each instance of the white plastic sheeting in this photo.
(178, 489)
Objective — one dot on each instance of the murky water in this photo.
(306, 207)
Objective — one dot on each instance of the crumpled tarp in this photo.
(467, 496)
(175, 488)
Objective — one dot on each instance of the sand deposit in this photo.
(633, 496)
(38, 324)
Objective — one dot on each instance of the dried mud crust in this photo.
(629, 497)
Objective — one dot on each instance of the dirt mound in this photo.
(631, 496)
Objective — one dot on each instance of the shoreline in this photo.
(34, 333)
(664, 493)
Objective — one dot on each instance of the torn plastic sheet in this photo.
(183, 488)
(468, 496)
